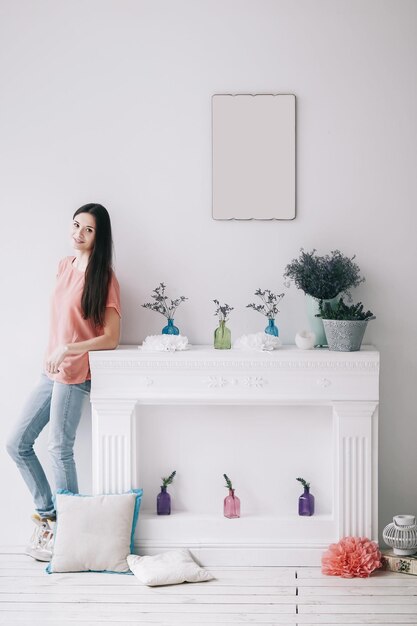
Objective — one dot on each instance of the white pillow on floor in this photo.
(94, 533)
(168, 568)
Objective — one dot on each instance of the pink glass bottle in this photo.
(231, 505)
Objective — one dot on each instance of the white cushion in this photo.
(94, 533)
(168, 568)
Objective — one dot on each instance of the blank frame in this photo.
(253, 156)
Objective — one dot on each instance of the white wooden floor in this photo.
(256, 595)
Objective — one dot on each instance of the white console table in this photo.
(346, 385)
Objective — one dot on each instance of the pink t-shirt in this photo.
(67, 324)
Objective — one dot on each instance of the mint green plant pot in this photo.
(316, 324)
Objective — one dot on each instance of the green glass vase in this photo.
(222, 337)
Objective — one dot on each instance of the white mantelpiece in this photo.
(344, 384)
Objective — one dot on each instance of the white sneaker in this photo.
(42, 540)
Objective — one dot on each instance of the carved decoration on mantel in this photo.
(324, 382)
(248, 381)
(216, 381)
(254, 381)
(239, 365)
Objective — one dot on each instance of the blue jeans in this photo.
(61, 405)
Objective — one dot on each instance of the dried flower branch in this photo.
(270, 303)
(223, 311)
(161, 302)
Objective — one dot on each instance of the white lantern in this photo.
(401, 535)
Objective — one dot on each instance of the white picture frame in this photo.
(254, 156)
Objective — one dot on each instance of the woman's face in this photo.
(83, 232)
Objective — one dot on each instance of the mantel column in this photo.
(114, 445)
(356, 468)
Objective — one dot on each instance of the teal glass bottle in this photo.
(222, 337)
(170, 329)
(272, 329)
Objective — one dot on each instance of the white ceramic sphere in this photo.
(305, 339)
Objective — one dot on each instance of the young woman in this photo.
(85, 315)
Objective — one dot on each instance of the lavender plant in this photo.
(168, 481)
(161, 305)
(304, 483)
(324, 277)
(228, 484)
(270, 303)
(222, 311)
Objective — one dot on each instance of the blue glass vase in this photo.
(271, 329)
(170, 329)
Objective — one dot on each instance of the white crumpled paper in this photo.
(165, 343)
(257, 341)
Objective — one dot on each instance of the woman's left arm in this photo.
(108, 341)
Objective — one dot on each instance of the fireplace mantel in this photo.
(127, 378)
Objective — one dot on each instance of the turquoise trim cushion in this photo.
(94, 533)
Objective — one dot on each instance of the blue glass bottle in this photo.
(170, 329)
(271, 329)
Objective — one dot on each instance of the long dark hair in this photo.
(99, 268)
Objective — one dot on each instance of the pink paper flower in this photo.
(351, 557)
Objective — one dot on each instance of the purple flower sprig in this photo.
(223, 311)
(270, 303)
(161, 305)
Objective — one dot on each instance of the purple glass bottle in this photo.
(231, 506)
(163, 502)
(306, 503)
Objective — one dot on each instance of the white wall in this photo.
(110, 101)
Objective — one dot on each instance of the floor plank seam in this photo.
(261, 596)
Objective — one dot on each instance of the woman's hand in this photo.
(108, 341)
(55, 359)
